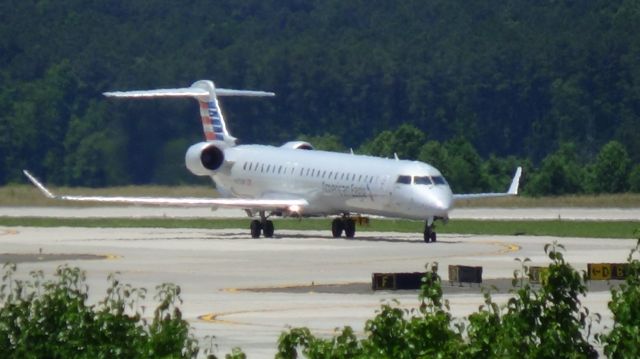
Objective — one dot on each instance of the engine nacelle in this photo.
(298, 145)
(205, 158)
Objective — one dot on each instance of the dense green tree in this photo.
(515, 79)
(405, 142)
(560, 173)
(611, 169)
(326, 142)
(634, 179)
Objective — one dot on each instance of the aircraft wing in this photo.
(242, 203)
(512, 191)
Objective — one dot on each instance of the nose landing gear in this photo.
(429, 230)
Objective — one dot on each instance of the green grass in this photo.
(590, 229)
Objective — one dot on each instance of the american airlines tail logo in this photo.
(211, 121)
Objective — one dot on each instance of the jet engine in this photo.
(204, 158)
(298, 145)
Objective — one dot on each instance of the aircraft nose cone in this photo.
(440, 202)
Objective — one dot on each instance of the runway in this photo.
(220, 270)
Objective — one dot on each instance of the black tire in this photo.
(256, 227)
(427, 234)
(349, 228)
(337, 226)
(433, 236)
(268, 229)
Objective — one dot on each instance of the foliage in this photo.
(50, 318)
(515, 78)
(405, 142)
(392, 333)
(634, 179)
(624, 339)
(535, 323)
(326, 142)
(611, 169)
(560, 173)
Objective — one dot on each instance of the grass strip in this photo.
(555, 228)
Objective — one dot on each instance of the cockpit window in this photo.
(439, 180)
(422, 180)
(404, 179)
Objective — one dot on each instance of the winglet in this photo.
(515, 183)
(40, 186)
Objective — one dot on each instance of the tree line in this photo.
(514, 78)
(561, 172)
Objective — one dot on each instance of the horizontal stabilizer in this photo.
(196, 92)
(241, 203)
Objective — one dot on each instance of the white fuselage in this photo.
(335, 183)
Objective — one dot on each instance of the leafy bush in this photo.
(624, 339)
(42, 318)
(540, 322)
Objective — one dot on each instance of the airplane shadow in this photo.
(364, 238)
(240, 235)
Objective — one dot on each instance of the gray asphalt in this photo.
(239, 289)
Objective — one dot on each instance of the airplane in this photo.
(296, 180)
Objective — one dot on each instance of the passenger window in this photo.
(279, 169)
(404, 179)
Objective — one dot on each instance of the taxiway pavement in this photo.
(215, 267)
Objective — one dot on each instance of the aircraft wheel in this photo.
(433, 236)
(268, 229)
(337, 226)
(349, 228)
(256, 227)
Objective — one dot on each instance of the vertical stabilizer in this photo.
(213, 123)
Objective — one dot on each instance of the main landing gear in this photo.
(262, 225)
(344, 224)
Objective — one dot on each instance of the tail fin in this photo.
(213, 123)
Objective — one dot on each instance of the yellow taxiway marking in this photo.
(216, 318)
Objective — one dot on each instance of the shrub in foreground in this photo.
(42, 318)
(543, 322)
